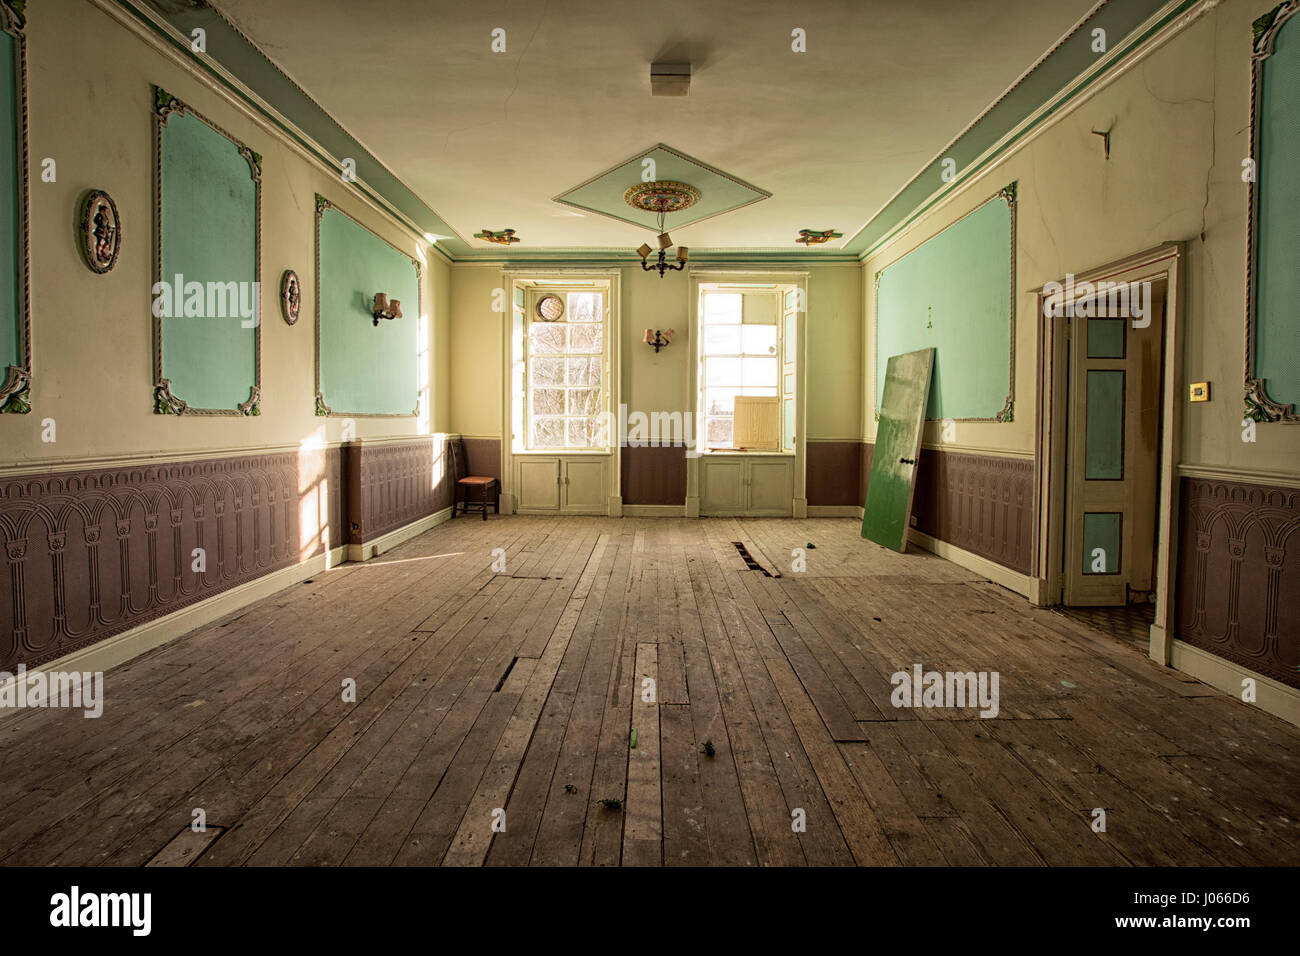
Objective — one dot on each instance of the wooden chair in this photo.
(472, 491)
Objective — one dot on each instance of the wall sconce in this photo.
(660, 340)
(665, 242)
(384, 309)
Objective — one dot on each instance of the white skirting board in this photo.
(1270, 696)
(1022, 584)
(377, 546)
(121, 648)
(654, 511)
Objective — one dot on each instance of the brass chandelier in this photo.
(662, 197)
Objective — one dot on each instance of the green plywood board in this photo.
(366, 369)
(12, 347)
(1277, 327)
(888, 509)
(953, 294)
(208, 220)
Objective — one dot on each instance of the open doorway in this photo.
(1108, 438)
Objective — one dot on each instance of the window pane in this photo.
(584, 371)
(759, 339)
(760, 310)
(722, 307)
(586, 338)
(546, 337)
(720, 401)
(548, 371)
(721, 372)
(760, 372)
(584, 307)
(548, 401)
(583, 401)
(581, 433)
(718, 432)
(722, 340)
(547, 433)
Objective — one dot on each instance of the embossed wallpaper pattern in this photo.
(91, 554)
(1239, 574)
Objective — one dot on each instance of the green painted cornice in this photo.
(246, 63)
(973, 151)
(232, 55)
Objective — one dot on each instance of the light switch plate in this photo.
(1199, 392)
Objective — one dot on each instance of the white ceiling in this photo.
(487, 139)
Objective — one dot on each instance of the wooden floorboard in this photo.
(629, 692)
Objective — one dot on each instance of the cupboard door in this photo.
(583, 486)
(722, 486)
(538, 484)
(769, 485)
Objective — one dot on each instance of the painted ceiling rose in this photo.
(662, 197)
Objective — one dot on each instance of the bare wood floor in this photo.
(512, 699)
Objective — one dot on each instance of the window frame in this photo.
(533, 295)
(778, 289)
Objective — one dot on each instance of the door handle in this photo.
(907, 461)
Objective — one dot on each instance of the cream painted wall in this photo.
(1180, 122)
(477, 340)
(659, 382)
(90, 107)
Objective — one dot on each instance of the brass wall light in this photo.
(384, 309)
(659, 340)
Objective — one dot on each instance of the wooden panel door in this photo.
(538, 484)
(1112, 455)
(888, 510)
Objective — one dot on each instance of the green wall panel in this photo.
(1277, 330)
(208, 217)
(953, 294)
(12, 347)
(365, 370)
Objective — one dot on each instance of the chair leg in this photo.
(483, 504)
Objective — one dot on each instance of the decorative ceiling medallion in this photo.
(502, 238)
(99, 234)
(662, 196)
(814, 237)
(550, 308)
(715, 192)
(290, 296)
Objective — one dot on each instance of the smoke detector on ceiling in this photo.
(670, 79)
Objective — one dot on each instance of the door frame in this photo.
(1165, 262)
(510, 278)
